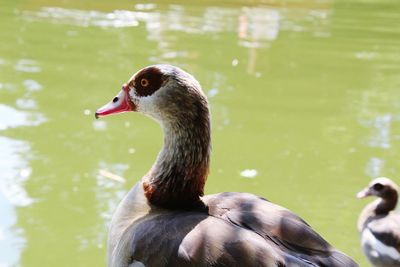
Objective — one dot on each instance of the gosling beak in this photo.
(364, 193)
(120, 103)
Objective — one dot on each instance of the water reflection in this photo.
(117, 18)
(15, 160)
(381, 135)
(32, 85)
(27, 65)
(374, 167)
(249, 173)
(99, 125)
(255, 26)
(27, 101)
(379, 111)
(15, 170)
(11, 117)
(108, 193)
(258, 26)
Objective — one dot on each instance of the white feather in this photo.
(377, 247)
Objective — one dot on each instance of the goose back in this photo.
(236, 229)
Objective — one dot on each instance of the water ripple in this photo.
(257, 24)
(374, 167)
(117, 18)
(108, 194)
(11, 118)
(254, 25)
(14, 172)
(27, 65)
(32, 85)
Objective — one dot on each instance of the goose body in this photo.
(379, 224)
(165, 220)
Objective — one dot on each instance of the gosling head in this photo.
(380, 187)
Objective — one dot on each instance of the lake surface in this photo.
(305, 98)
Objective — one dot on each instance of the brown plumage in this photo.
(166, 221)
(379, 224)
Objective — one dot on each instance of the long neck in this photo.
(176, 180)
(379, 207)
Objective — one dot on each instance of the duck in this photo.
(379, 223)
(166, 220)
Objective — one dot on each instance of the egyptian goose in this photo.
(165, 220)
(379, 224)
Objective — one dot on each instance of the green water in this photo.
(305, 98)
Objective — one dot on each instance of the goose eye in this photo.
(144, 82)
(378, 187)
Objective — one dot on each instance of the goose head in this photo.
(381, 187)
(164, 92)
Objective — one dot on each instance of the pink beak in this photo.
(120, 103)
(364, 193)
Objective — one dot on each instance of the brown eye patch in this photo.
(378, 187)
(148, 80)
